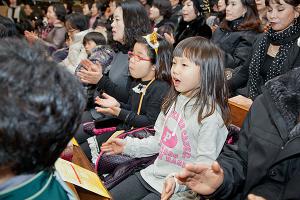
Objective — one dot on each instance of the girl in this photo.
(149, 65)
(191, 126)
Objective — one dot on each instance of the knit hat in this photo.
(202, 6)
(103, 55)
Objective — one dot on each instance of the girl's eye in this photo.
(269, 9)
(173, 63)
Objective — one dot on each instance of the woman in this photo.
(77, 28)
(274, 53)
(56, 37)
(193, 21)
(117, 80)
(237, 31)
(160, 12)
(95, 12)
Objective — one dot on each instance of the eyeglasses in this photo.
(137, 57)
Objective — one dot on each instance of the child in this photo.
(41, 108)
(191, 127)
(149, 65)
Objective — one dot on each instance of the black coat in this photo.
(266, 160)
(240, 78)
(235, 44)
(197, 27)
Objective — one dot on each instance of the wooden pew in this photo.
(79, 158)
(239, 107)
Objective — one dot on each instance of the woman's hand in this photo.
(254, 197)
(108, 105)
(202, 178)
(113, 146)
(169, 187)
(90, 73)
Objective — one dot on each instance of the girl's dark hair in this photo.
(136, 21)
(162, 60)
(293, 3)
(166, 28)
(251, 19)
(77, 21)
(60, 11)
(212, 91)
(97, 37)
(164, 7)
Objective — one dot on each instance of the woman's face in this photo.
(86, 9)
(94, 10)
(112, 6)
(188, 11)
(143, 2)
(260, 4)
(154, 13)
(51, 16)
(221, 5)
(118, 26)
(27, 10)
(234, 10)
(281, 15)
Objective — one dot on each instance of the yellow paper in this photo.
(74, 141)
(77, 175)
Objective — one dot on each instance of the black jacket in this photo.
(197, 27)
(240, 78)
(266, 160)
(235, 44)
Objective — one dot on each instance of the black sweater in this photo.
(150, 106)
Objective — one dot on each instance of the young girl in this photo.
(191, 127)
(150, 66)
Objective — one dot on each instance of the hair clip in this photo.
(152, 40)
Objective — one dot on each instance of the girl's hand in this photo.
(30, 36)
(115, 111)
(202, 178)
(90, 73)
(169, 187)
(113, 146)
(254, 197)
(169, 38)
(107, 101)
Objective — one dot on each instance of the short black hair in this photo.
(41, 107)
(97, 37)
(77, 21)
(60, 11)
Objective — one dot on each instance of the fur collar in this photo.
(285, 93)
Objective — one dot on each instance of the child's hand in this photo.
(109, 105)
(113, 146)
(169, 38)
(90, 73)
(30, 36)
(169, 187)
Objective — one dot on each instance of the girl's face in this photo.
(86, 9)
(94, 10)
(89, 45)
(281, 15)
(185, 76)
(51, 16)
(154, 13)
(140, 66)
(221, 5)
(188, 11)
(234, 10)
(118, 26)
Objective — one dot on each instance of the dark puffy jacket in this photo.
(266, 160)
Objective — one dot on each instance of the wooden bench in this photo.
(239, 107)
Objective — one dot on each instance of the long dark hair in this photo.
(212, 90)
(250, 21)
(162, 60)
(293, 3)
(136, 21)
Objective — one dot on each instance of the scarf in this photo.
(285, 39)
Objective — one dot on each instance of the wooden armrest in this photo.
(239, 107)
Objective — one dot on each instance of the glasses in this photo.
(137, 57)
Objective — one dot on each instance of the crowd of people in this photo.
(89, 69)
